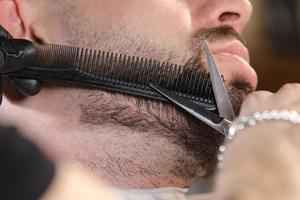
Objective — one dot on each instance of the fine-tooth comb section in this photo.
(117, 72)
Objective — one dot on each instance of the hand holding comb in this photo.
(15, 55)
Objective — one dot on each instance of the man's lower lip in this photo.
(238, 66)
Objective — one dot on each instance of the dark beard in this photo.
(155, 119)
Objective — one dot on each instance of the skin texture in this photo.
(129, 142)
(271, 169)
(75, 183)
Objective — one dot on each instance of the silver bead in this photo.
(220, 165)
(258, 116)
(220, 157)
(240, 126)
(285, 115)
(294, 118)
(251, 122)
(222, 149)
(244, 119)
(275, 114)
(297, 120)
(231, 132)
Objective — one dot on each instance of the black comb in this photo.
(117, 72)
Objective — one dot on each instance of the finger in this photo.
(27, 87)
(288, 94)
(4, 33)
(257, 101)
(288, 97)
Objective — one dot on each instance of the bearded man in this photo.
(130, 142)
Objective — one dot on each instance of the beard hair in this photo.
(151, 118)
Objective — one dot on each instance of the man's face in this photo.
(166, 30)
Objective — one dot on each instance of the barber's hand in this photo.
(263, 162)
(28, 87)
(287, 98)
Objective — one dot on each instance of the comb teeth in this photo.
(119, 72)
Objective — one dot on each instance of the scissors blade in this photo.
(222, 98)
(211, 119)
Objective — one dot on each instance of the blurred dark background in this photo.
(273, 37)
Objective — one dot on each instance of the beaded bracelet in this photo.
(252, 120)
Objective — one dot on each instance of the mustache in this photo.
(195, 44)
(214, 34)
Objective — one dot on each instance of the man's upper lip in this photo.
(234, 48)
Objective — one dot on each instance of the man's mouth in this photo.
(233, 60)
(235, 48)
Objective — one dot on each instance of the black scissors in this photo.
(219, 122)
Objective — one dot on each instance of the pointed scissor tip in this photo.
(205, 44)
(209, 56)
(222, 98)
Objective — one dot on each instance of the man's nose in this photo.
(215, 13)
